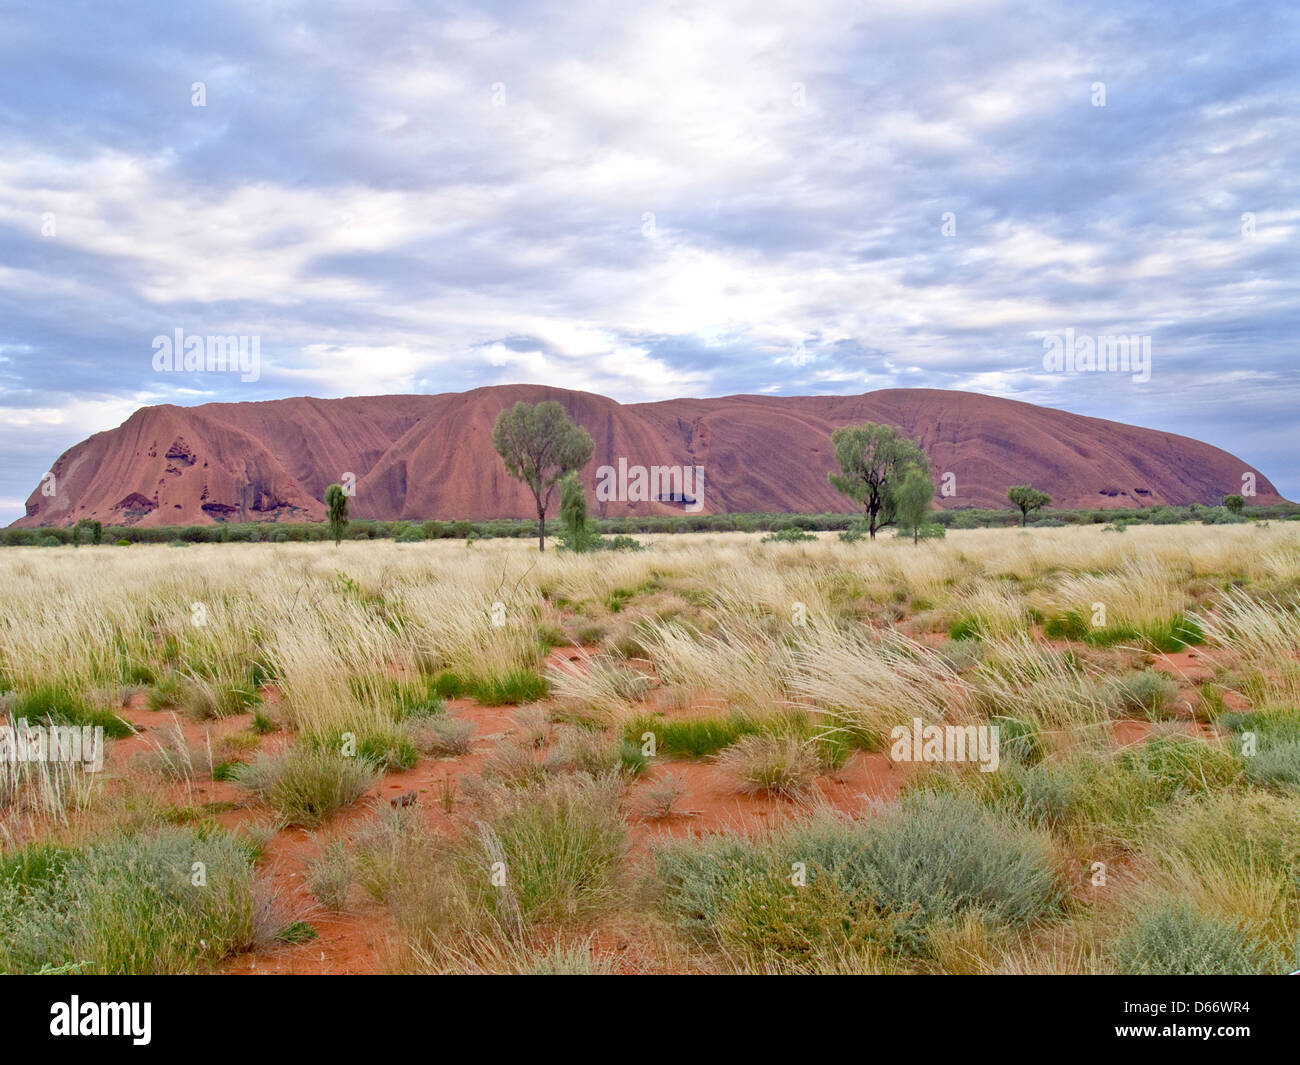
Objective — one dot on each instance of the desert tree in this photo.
(336, 500)
(1027, 498)
(873, 461)
(539, 444)
(912, 501)
(1234, 503)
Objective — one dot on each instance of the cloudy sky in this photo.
(650, 200)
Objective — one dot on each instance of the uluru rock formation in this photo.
(419, 457)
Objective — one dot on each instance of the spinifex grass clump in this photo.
(205, 697)
(533, 859)
(331, 874)
(1233, 855)
(511, 688)
(384, 745)
(54, 704)
(1175, 633)
(172, 901)
(690, 737)
(577, 750)
(561, 845)
(1071, 625)
(1145, 692)
(1037, 684)
(781, 765)
(441, 736)
(305, 784)
(602, 683)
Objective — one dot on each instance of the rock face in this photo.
(421, 457)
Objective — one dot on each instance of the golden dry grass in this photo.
(850, 637)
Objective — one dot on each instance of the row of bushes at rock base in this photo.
(509, 528)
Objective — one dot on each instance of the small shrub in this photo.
(443, 736)
(932, 859)
(961, 655)
(779, 765)
(561, 959)
(788, 536)
(1146, 692)
(621, 543)
(331, 874)
(1276, 764)
(515, 765)
(1173, 939)
(588, 634)
(1019, 739)
(938, 855)
(128, 905)
(770, 924)
(661, 795)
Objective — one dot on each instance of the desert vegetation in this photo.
(428, 757)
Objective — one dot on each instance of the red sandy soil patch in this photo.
(1128, 732)
(712, 802)
(1189, 666)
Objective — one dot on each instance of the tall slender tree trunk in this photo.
(541, 527)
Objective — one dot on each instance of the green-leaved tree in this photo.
(1234, 503)
(539, 444)
(1027, 498)
(579, 531)
(912, 501)
(336, 500)
(873, 461)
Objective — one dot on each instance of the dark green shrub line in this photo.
(519, 528)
